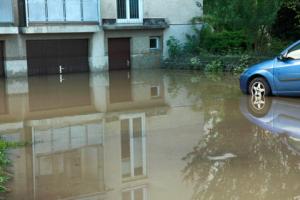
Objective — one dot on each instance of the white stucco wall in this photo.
(108, 9)
(174, 11)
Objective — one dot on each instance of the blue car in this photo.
(279, 76)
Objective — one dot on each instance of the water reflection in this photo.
(148, 135)
(97, 136)
(278, 115)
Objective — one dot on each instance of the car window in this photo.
(294, 53)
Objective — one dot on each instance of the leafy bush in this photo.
(277, 46)
(215, 66)
(226, 42)
(244, 63)
(4, 161)
(174, 47)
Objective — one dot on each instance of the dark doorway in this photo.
(120, 86)
(47, 57)
(119, 53)
(2, 59)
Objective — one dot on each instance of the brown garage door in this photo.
(119, 53)
(46, 57)
(1, 59)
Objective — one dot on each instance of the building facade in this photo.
(40, 37)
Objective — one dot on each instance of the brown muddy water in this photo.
(148, 135)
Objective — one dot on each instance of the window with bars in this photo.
(6, 11)
(129, 11)
(62, 10)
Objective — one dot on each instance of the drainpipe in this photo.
(26, 13)
(99, 12)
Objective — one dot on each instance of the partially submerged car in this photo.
(279, 76)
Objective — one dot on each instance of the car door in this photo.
(287, 72)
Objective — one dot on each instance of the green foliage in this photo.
(244, 63)
(4, 161)
(287, 24)
(174, 47)
(225, 42)
(252, 17)
(277, 46)
(215, 66)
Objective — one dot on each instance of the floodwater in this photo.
(148, 135)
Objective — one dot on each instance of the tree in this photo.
(253, 17)
(287, 24)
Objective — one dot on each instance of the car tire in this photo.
(259, 87)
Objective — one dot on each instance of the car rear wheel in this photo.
(259, 87)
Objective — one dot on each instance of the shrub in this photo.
(243, 64)
(215, 66)
(174, 47)
(277, 46)
(226, 42)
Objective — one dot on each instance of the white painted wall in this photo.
(175, 11)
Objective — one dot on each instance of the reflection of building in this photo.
(99, 137)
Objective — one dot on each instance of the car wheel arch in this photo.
(259, 76)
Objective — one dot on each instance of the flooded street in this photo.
(148, 135)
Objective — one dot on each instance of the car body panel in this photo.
(283, 76)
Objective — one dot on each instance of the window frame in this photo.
(158, 91)
(129, 20)
(157, 38)
(64, 20)
(130, 118)
(290, 50)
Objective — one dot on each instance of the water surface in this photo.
(148, 135)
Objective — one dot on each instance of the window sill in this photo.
(63, 28)
(11, 30)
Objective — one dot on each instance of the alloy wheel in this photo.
(258, 89)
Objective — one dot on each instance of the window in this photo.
(62, 10)
(139, 193)
(129, 11)
(133, 146)
(155, 91)
(294, 53)
(6, 14)
(154, 42)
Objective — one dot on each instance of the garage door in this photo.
(1, 59)
(47, 57)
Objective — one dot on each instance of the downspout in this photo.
(26, 13)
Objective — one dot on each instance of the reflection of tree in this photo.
(263, 169)
(264, 166)
(208, 90)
